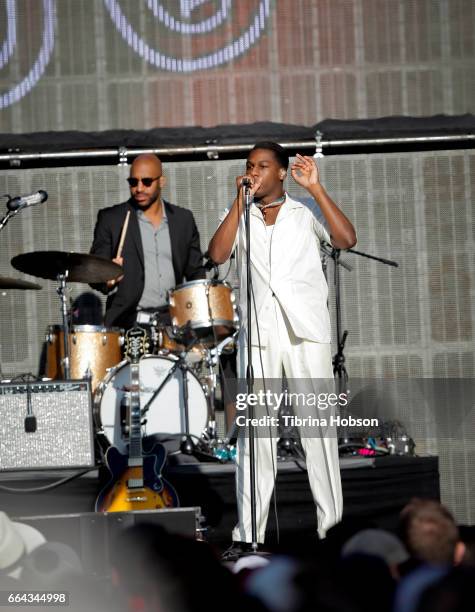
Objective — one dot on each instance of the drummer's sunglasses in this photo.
(146, 182)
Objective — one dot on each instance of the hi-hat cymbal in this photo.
(80, 267)
(16, 283)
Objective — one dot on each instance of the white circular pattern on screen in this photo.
(10, 43)
(44, 56)
(176, 64)
(187, 6)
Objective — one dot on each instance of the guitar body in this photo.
(119, 496)
(136, 482)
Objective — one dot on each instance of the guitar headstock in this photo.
(136, 344)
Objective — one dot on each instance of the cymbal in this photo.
(81, 267)
(16, 283)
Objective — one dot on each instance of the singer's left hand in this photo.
(304, 171)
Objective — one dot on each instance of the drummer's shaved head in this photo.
(148, 168)
(149, 161)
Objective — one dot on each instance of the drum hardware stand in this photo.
(339, 359)
(61, 291)
(219, 447)
(187, 446)
(211, 360)
(210, 391)
(3, 221)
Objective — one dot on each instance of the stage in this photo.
(374, 490)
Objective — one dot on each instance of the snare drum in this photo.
(206, 307)
(93, 350)
(166, 413)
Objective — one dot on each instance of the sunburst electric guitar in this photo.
(136, 482)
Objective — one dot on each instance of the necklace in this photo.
(277, 202)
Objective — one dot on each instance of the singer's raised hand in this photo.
(304, 171)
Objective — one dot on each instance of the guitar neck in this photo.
(136, 344)
(135, 420)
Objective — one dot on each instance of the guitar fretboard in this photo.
(135, 435)
(136, 344)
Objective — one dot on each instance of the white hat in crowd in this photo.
(16, 541)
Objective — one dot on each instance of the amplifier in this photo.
(92, 534)
(46, 425)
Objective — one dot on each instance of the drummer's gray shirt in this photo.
(157, 253)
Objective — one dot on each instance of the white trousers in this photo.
(300, 359)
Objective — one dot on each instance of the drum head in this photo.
(166, 413)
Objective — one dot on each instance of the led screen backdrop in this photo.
(107, 64)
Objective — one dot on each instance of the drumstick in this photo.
(122, 235)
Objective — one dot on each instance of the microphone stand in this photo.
(7, 217)
(3, 221)
(339, 359)
(388, 262)
(61, 291)
(22, 202)
(339, 369)
(249, 370)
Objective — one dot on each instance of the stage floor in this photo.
(374, 490)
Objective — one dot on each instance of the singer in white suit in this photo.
(290, 326)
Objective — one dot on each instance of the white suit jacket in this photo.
(285, 261)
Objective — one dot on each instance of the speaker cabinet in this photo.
(46, 425)
(92, 534)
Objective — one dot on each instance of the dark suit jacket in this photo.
(186, 256)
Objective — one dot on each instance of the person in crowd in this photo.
(432, 539)
(378, 543)
(17, 541)
(430, 533)
(153, 569)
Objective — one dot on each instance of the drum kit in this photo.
(177, 377)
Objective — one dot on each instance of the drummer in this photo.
(156, 243)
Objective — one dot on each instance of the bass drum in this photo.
(165, 415)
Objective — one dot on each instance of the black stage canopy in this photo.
(236, 135)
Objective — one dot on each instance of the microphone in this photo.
(209, 264)
(246, 182)
(27, 200)
(30, 419)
